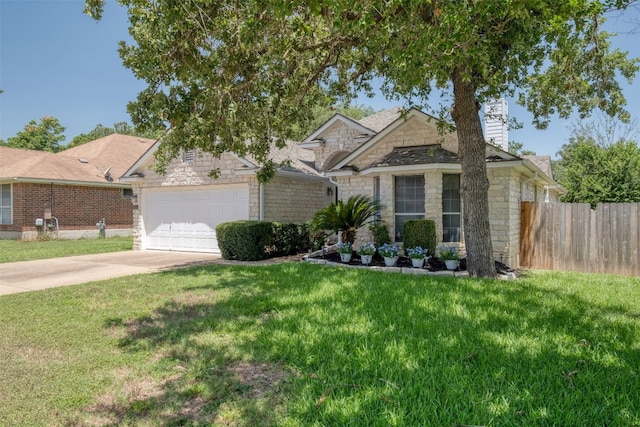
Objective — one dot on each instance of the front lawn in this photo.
(19, 250)
(301, 344)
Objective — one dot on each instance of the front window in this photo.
(451, 208)
(5, 203)
(377, 197)
(409, 201)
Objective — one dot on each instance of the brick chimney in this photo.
(496, 114)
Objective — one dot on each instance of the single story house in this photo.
(399, 159)
(68, 192)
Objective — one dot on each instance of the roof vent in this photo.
(83, 160)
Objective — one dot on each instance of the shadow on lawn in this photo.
(345, 347)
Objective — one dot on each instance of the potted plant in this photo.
(366, 252)
(389, 253)
(450, 256)
(345, 249)
(417, 255)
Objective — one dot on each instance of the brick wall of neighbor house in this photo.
(293, 200)
(76, 207)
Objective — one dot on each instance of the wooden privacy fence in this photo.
(572, 236)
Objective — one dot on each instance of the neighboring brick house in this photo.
(66, 193)
(401, 160)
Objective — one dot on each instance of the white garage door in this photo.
(184, 219)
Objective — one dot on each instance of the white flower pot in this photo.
(345, 257)
(451, 264)
(390, 261)
(366, 259)
(417, 262)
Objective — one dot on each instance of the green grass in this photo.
(307, 345)
(19, 250)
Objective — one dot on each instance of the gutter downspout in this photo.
(261, 203)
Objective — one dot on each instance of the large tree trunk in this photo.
(475, 184)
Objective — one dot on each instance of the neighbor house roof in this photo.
(101, 161)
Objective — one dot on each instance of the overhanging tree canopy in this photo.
(234, 75)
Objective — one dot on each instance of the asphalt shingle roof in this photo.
(84, 163)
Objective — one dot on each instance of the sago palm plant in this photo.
(347, 216)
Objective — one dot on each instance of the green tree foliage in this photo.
(44, 136)
(122, 128)
(234, 76)
(101, 131)
(596, 168)
(517, 148)
(346, 217)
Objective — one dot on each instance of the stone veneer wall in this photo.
(281, 191)
(338, 137)
(504, 214)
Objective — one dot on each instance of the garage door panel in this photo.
(186, 219)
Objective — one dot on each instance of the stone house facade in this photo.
(397, 157)
(405, 162)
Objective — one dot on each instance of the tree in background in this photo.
(44, 136)
(601, 163)
(517, 149)
(101, 131)
(235, 76)
(122, 128)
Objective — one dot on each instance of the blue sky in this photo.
(56, 61)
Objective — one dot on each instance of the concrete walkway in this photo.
(28, 276)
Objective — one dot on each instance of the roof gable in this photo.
(347, 121)
(399, 121)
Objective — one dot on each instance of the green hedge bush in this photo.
(420, 232)
(289, 238)
(257, 240)
(244, 240)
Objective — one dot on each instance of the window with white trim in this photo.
(408, 201)
(5, 204)
(451, 208)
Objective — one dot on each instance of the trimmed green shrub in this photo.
(380, 233)
(420, 232)
(244, 240)
(289, 238)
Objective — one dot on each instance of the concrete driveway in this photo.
(28, 276)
